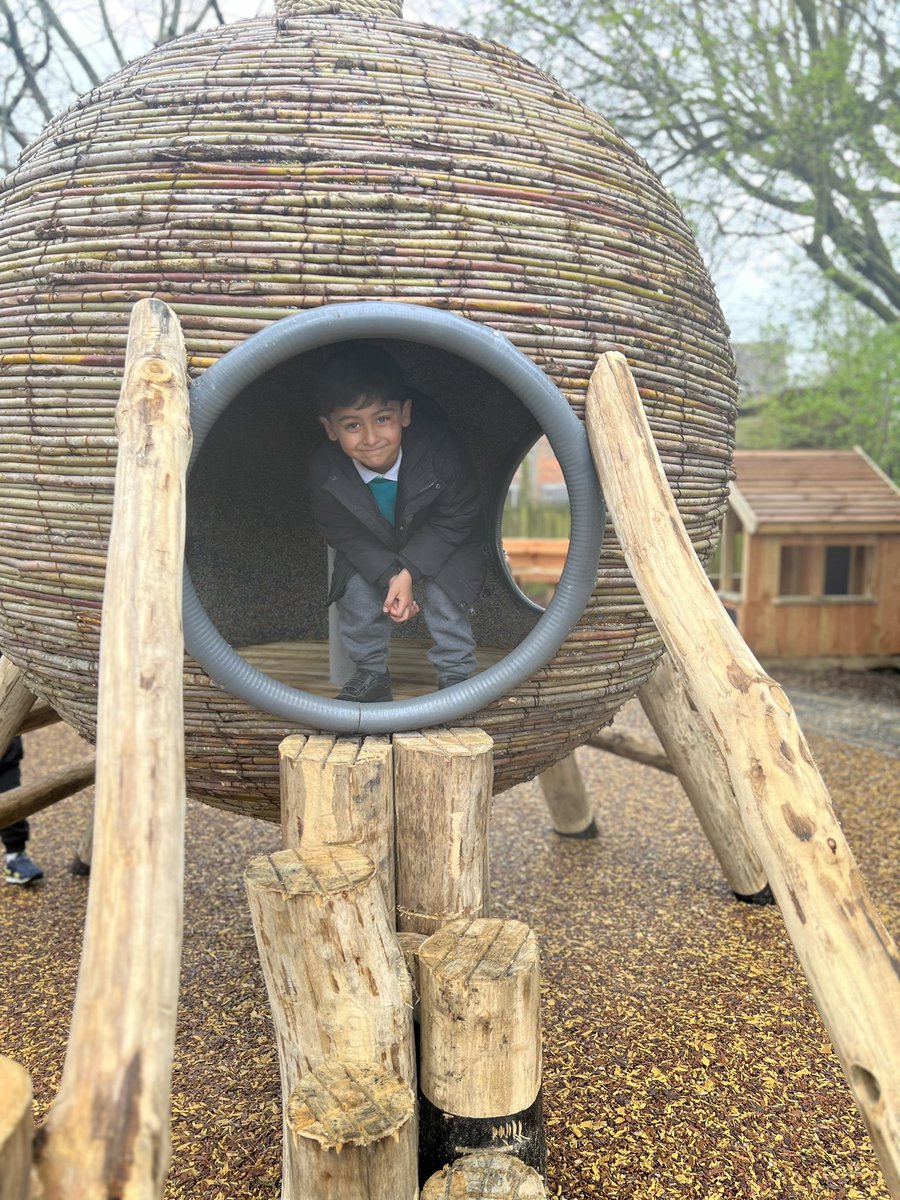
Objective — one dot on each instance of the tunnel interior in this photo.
(257, 561)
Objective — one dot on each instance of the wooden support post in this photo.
(570, 809)
(480, 1058)
(337, 790)
(39, 716)
(849, 958)
(31, 798)
(15, 701)
(337, 982)
(702, 773)
(15, 1131)
(442, 791)
(81, 863)
(485, 1175)
(626, 745)
(107, 1133)
(350, 1135)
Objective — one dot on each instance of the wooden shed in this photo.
(809, 563)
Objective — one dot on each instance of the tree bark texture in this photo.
(442, 793)
(107, 1134)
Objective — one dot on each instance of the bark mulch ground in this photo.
(683, 1055)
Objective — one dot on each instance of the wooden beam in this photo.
(702, 773)
(567, 800)
(849, 958)
(15, 701)
(107, 1133)
(442, 795)
(15, 1131)
(41, 715)
(627, 745)
(30, 798)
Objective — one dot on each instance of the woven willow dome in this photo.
(266, 167)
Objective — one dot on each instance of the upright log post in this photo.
(350, 1135)
(337, 790)
(849, 958)
(107, 1134)
(567, 800)
(15, 1131)
(702, 773)
(480, 1043)
(81, 863)
(337, 982)
(15, 702)
(485, 1175)
(442, 793)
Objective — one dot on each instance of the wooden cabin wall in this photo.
(783, 627)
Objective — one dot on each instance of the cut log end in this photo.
(480, 950)
(485, 1176)
(324, 870)
(349, 1104)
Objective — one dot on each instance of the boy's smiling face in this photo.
(371, 435)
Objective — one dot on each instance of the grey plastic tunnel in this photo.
(484, 347)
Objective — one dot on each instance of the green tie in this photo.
(385, 493)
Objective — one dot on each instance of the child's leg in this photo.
(365, 627)
(453, 652)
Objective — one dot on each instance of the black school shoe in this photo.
(445, 681)
(366, 687)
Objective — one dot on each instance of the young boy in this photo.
(395, 496)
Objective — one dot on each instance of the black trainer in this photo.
(366, 687)
(445, 681)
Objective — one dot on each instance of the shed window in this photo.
(825, 570)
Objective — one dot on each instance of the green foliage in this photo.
(770, 116)
(849, 396)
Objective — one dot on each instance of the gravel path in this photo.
(683, 1055)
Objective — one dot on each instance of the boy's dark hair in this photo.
(356, 376)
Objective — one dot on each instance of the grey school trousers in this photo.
(366, 628)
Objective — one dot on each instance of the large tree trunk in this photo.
(107, 1133)
(847, 954)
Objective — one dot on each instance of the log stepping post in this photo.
(567, 800)
(702, 773)
(442, 791)
(480, 1056)
(15, 1131)
(485, 1175)
(337, 790)
(350, 1134)
(336, 978)
(848, 957)
(107, 1133)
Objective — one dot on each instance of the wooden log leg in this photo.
(15, 1131)
(337, 983)
(702, 773)
(570, 809)
(485, 1175)
(337, 790)
(626, 745)
(849, 958)
(30, 798)
(40, 715)
(350, 1135)
(81, 863)
(15, 702)
(480, 1062)
(107, 1133)
(442, 792)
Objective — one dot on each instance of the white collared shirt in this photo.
(367, 476)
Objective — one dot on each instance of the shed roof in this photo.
(813, 491)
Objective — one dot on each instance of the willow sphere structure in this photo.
(334, 153)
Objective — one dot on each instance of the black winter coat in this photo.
(439, 532)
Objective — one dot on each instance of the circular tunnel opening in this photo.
(256, 566)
